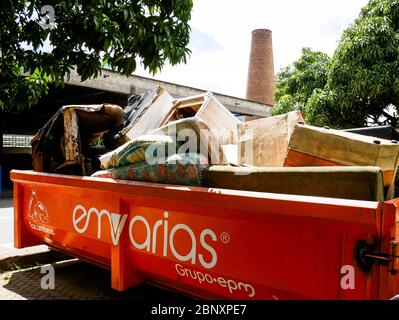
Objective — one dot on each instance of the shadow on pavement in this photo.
(75, 280)
(6, 203)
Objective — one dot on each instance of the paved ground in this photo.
(75, 280)
(6, 220)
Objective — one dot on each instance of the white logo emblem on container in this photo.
(37, 211)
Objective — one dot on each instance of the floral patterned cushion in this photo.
(135, 151)
(180, 169)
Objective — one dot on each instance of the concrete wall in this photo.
(114, 82)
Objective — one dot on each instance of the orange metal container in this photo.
(210, 243)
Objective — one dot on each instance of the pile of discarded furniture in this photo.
(196, 141)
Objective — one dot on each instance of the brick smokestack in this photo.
(261, 82)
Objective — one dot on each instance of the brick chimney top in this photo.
(261, 81)
(261, 30)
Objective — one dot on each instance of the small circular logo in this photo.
(225, 237)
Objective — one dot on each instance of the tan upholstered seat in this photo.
(357, 183)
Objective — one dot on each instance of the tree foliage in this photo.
(86, 36)
(296, 83)
(363, 77)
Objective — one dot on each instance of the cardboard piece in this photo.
(264, 142)
(208, 109)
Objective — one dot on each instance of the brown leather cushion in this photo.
(357, 183)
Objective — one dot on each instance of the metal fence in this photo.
(16, 140)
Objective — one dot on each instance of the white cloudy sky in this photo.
(221, 37)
